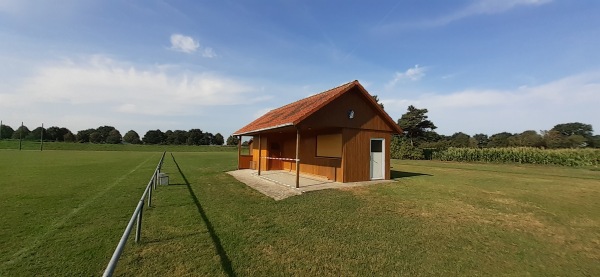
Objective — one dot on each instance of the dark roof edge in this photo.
(264, 129)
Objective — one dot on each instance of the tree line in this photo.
(419, 136)
(110, 135)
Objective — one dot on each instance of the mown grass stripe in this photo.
(35, 242)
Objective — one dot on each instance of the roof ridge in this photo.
(317, 94)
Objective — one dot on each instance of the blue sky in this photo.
(479, 66)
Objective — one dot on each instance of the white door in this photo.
(377, 159)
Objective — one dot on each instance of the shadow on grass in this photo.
(225, 261)
(394, 174)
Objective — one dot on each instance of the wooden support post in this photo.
(259, 154)
(239, 150)
(297, 158)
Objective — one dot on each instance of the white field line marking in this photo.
(60, 222)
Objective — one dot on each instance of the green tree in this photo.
(21, 132)
(69, 137)
(415, 123)
(595, 141)
(499, 139)
(554, 139)
(104, 132)
(132, 137)
(571, 133)
(6, 131)
(574, 128)
(95, 137)
(168, 137)
(53, 133)
(194, 137)
(84, 135)
(36, 134)
(114, 137)
(154, 137)
(481, 140)
(528, 138)
(401, 148)
(232, 140)
(218, 139)
(178, 137)
(376, 98)
(460, 139)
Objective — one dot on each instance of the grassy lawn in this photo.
(65, 211)
(62, 212)
(438, 219)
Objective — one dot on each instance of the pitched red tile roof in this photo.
(293, 113)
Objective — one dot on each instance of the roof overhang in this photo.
(257, 131)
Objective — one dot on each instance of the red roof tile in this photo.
(293, 113)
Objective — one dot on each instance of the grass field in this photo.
(64, 211)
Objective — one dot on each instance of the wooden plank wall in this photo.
(245, 161)
(357, 149)
(335, 114)
(353, 167)
(264, 153)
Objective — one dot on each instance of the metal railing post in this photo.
(137, 216)
(149, 196)
(138, 227)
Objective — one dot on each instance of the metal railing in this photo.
(137, 216)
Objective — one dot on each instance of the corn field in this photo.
(564, 157)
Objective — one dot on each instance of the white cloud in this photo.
(183, 43)
(99, 87)
(187, 44)
(573, 98)
(481, 7)
(209, 53)
(497, 6)
(475, 8)
(412, 74)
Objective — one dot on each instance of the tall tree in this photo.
(114, 137)
(595, 141)
(95, 137)
(460, 139)
(415, 123)
(499, 139)
(218, 139)
(528, 138)
(574, 128)
(232, 140)
(154, 137)
(481, 140)
(194, 137)
(206, 138)
(35, 134)
(7, 131)
(69, 137)
(168, 137)
(104, 131)
(84, 135)
(376, 98)
(53, 133)
(132, 137)
(25, 131)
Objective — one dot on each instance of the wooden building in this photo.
(341, 134)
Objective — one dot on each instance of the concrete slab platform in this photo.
(280, 184)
